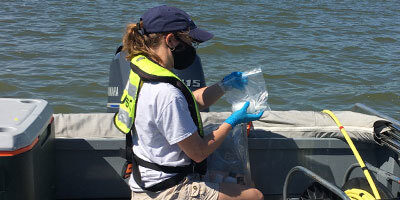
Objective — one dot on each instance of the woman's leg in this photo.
(232, 191)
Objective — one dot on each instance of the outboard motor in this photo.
(193, 77)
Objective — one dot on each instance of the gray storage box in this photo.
(26, 150)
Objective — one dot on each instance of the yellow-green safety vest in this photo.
(144, 69)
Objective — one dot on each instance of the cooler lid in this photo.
(22, 121)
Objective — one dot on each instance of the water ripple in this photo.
(315, 55)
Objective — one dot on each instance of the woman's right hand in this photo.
(241, 116)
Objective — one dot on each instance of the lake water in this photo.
(314, 54)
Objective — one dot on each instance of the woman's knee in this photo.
(229, 191)
(256, 194)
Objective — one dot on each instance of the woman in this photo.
(169, 147)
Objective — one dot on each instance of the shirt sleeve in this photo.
(175, 121)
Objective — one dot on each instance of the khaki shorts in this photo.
(189, 188)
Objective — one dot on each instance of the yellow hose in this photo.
(359, 194)
(356, 154)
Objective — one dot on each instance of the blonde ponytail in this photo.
(135, 42)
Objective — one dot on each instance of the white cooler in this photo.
(26, 150)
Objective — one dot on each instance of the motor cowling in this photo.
(193, 77)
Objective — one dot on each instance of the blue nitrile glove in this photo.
(234, 80)
(241, 116)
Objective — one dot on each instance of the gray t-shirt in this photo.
(162, 120)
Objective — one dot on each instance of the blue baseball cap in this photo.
(162, 19)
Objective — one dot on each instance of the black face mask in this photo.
(184, 55)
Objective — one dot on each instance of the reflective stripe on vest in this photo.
(124, 119)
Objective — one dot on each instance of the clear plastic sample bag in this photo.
(255, 92)
(230, 162)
